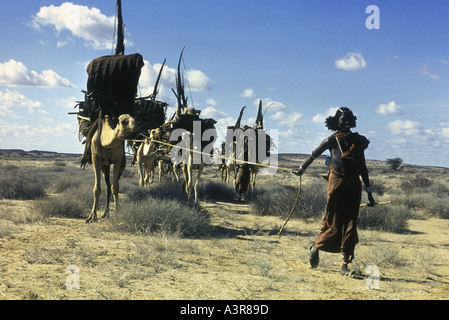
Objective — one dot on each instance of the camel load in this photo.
(112, 88)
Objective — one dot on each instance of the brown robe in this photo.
(339, 226)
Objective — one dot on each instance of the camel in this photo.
(150, 155)
(254, 170)
(188, 167)
(146, 159)
(164, 166)
(105, 147)
(227, 166)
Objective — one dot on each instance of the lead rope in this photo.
(294, 206)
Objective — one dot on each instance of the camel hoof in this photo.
(91, 219)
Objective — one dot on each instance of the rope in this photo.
(222, 157)
(294, 206)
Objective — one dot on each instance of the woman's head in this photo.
(343, 120)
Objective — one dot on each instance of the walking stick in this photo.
(366, 204)
(294, 206)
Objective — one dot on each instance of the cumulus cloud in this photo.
(194, 81)
(15, 74)
(211, 102)
(248, 93)
(10, 100)
(353, 61)
(287, 119)
(211, 112)
(197, 80)
(270, 105)
(389, 109)
(405, 127)
(319, 118)
(51, 135)
(82, 22)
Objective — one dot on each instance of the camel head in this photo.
(126, 126)
(156, 134)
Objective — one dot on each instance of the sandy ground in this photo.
(246, 259)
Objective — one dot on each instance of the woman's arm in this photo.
(325, 145)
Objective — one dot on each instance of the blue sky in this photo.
(302, 58)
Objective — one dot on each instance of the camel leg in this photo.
(96, 191)
(175, 174)
(117, 172)
(187, 172)
(151, 171)
(254, 172)
(160, 168)
(141, 170)
(197, 182)
(107, 178)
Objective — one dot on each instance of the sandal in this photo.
(348, 273)
(314, 257)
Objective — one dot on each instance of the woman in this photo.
(339, 227)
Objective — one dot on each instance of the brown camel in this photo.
(105, 146)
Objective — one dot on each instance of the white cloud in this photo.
(290, 119)
(270, 105)
(211, 112)
(46, 136)
(85, 23)
(196, 81)
(319, 118)
(405, 127)
(11, 99)
(389, 109)
(423, 71)
(14, 74)
(248, 93)
(211, 102)
(353, 61)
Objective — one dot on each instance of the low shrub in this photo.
(278, 200)
(20, 185)
(161, 215)
(389, 218)
(73, 202)
(217, 191)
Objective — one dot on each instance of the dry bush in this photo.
(278, 200)
(439, 208)
(21, 185)
(73, 202)
(216, 191)
(409, 185)
(389, 218)
(164, 208)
